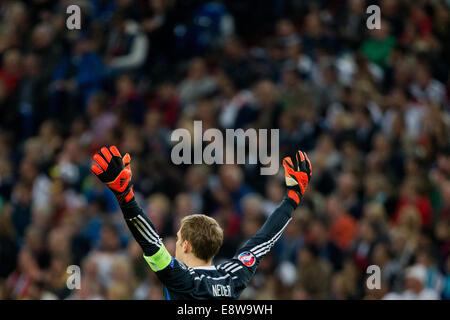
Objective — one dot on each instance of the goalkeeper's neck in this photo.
(192, 261)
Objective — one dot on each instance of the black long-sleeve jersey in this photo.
(224, 281)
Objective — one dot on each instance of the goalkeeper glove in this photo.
(297, 173)
(115, 171)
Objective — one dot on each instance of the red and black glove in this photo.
(115, 171)
(297, 173)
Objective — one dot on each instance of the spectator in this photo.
(313, 273)
(380, 44)
(371, 109)
(127, 46)
(197, 83)
(415, 287)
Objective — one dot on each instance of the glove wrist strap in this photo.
(294, 196)
(125, 196)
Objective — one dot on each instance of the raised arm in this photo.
(115, 171)
(297, 172)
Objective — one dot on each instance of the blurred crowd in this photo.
(370, 107)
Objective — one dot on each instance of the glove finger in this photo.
(115, 151)
(126, 159)
(303, 165)
(302, 156)
(288, 169)
(297, 162)
(96, 169)
(106, 154)
(309, 164)
(100, 161)
(287, 163)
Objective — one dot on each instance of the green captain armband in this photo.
(159, 260)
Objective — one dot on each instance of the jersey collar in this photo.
(205, 268)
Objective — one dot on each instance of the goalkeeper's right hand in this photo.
(115, 171)
(297, 173)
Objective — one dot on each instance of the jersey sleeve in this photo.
(142, 229)
(172, 273)
(244, 263)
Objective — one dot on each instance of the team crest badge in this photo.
(247, 258)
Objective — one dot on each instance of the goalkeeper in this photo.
(190, 274)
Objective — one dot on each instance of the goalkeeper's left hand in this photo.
(297, 173)
(115, 171)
